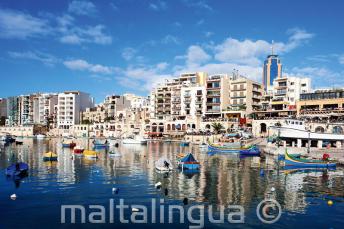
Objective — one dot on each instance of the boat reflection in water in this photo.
(223, 179)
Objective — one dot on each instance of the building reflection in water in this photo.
(223, 178)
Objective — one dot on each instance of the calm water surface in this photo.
(224, 179)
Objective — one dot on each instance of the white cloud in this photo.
(82, 8)
(16, 24)
(196, 55)
(158, 6)
(45, 58)
(170, 39)
(83, 65)
(200, 4)
(251, 52)
(341, 59)
(208, 34)
(73, 34)
(128, 53)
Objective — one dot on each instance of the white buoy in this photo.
(273, 189)
(158, 185)
(13, 197)
(134, 209)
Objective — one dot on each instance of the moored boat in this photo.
(253, 151)
(40, 136)
(306, 163)
(226, 149)
(188, 162)
(135, 140)
(50, 156)
(78, 149)
(70, 145)
(114, 154)
(100, 145)
(163, 165)
(18, 169)
(90, 154)
(184, 143)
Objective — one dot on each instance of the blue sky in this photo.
(105, 47)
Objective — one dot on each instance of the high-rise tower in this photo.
(272, 69)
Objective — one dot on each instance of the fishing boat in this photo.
(18, 169)
(184, 143)
(134, 140)
(100, 145)
(114, 154)
(78, 149)
(70, 145)
(19, 142)
(253, 151)
(40, 136)
(306, 163)
(226, 149)
(50, 156)
(163, 165)
(90, 154)
(7, 138)
(188, 162)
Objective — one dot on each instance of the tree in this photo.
(217, 127)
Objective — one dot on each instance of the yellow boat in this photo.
(50, 156)
(90, 154)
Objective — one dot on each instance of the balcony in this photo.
(213, 95)
(187, 96)
(238, 89)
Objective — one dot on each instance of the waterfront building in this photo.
(3, 111)
(217, 87)
(13, 114)
(44, 111)
(245, 96)
(272, 69)
(328, 103)
(70, 106)
(280, 100)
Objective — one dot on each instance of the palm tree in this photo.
(217, 127)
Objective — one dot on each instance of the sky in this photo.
(126, 46)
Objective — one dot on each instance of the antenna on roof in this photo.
(272, 47)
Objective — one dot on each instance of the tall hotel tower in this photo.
(272, 69)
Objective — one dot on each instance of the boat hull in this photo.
(225, 150)
(189, 166)
(307, 164)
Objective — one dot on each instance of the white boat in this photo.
(135, 140)
(163, 165)
(296, 129)
(40, 136)
(203, 145)
(114, 154)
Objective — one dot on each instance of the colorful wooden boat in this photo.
(19, 169)
(50, 156)
(99, 145)
(307, 163)
(225, 149)
(70, 145)
(78, 150)
(188, 163)
(90, 154)
(184, 144)
(253, 151)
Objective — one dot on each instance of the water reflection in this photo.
(223, 179)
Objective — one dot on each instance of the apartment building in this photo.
(244, 97)
(281, 99)
(44, 109)
(70, 106)
(3, 107)
(217, 95)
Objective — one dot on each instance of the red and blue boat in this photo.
(188, 163)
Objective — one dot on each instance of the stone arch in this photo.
(337, 130)
(168, 127)
(173, 126)
(263, 128)
(319, 129)
(183, 127)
